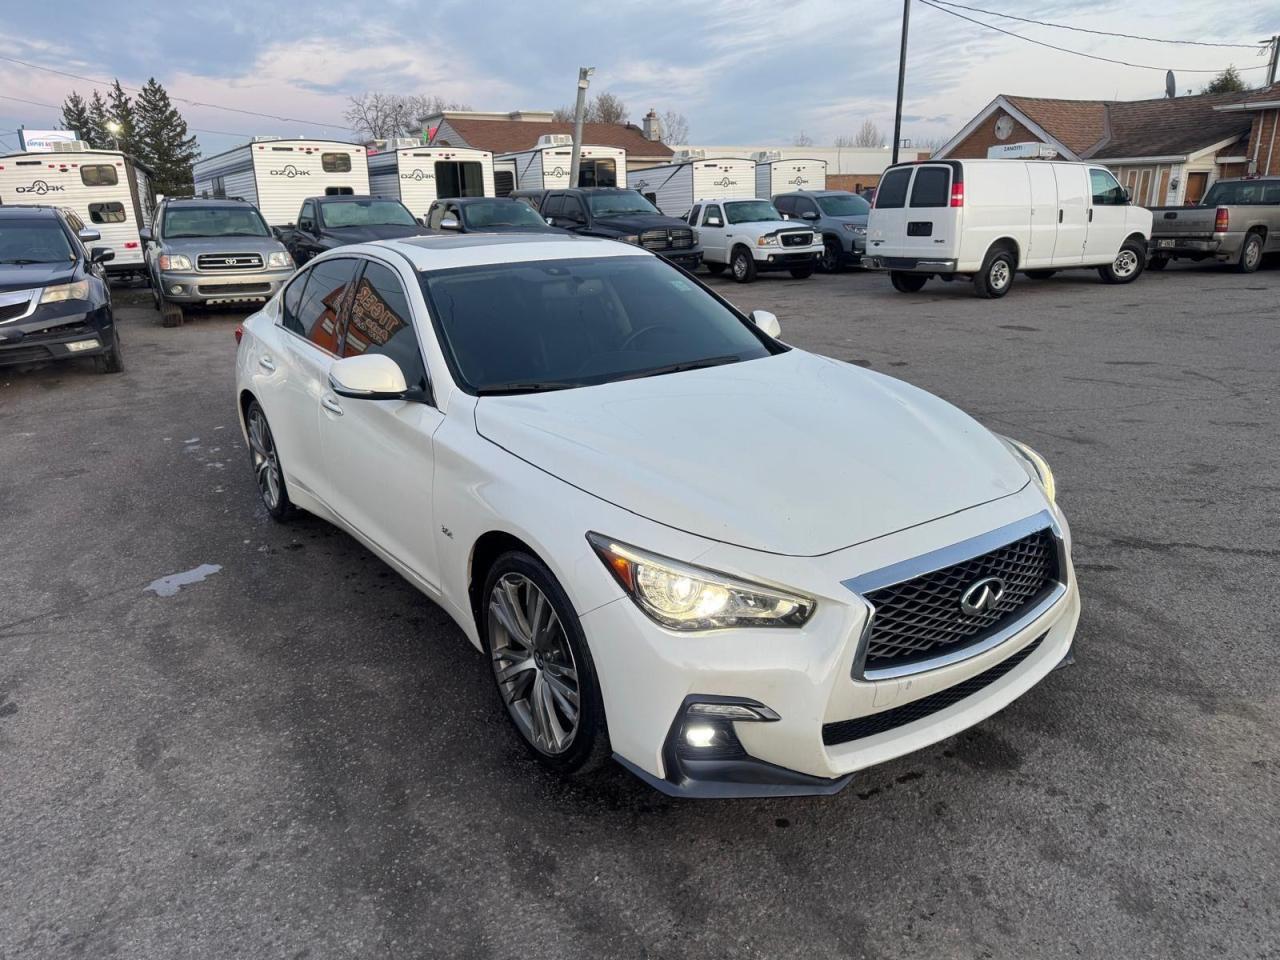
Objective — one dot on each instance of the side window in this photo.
(552, 206)
(74, 222)
(107, 212)
(713, 213)
(99, 175)
(573, 209)
(307, 218)
(381, 322)
(335, 162)
(892, 193)
(785, 205)
(291, 303)
(693, 214)
(325, 300)
(932, 187)
(435, 215)
(804, 205)
(1106, 190)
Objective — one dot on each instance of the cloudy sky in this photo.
(742, 71)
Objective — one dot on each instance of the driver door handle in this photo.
(267, 364)
(330, 403)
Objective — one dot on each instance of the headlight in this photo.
(174, 261)
(767, 241)
(279, 260)
(79, 290)
(683, 597)
(856, 230)
(630, 238)
(1035, 465)
(697, 238)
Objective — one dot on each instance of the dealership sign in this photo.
(42, 141)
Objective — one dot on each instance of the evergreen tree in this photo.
(1228, 81)
(75, 115)
(163, 141)
(97, 134)
(120, 109)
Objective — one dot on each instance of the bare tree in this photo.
(802, 139)
(380, 116)
(675, 128)
(605, 107)
(928, 144)
(562, 114)
(868, 135)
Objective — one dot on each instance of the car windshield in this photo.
(34, 241)
(556, 324)
(843, 206)
(366, 213)
(213, 222)
(618, 204)
(500, 213)
(1242, 193)
(751, 211)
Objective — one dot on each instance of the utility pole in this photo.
(902, 78)
(584, 81)
(1275, 57)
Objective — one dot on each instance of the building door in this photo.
(1196, 184)
(1143, 198)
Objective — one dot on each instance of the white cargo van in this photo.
(418, 176)
(988, 219)
(675, 187)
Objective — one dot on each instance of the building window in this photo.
(99, 175)
(335, 162)
(106, 212)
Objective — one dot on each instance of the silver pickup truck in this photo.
(1237, 222)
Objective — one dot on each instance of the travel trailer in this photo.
(675, 187)
(109, 191)
(276, 175)
(547, 165)
(775, 175)
(418, 175)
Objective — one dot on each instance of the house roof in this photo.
(509, 136)
(1076, 124)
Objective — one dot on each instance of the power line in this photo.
(55, 106)
(1101, 33)
(1077, 53)
(193, 103)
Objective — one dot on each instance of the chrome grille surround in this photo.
(229, 261)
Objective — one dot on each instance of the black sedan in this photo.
(487, 215)
(55, 303)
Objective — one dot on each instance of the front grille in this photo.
(795, 239)
(667, 239)
(63, 330)
(921, 618)
(11, 311)
(233, 289)
(23, 354)
(844, 731)
(229, 261)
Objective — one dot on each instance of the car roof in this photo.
(465, 200)
(445, 251)
(209, 201)
(13, 211)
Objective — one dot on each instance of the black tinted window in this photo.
(106, 212)
(381, 323)
(785, 205)
(892, 192)
(693, 214)
(932, 187)
(320, 310)
(99, 175)
(552, 206)
(804, 205)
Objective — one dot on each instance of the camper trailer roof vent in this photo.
(68, 146)
(555, 140)
(403, 142)
(764, 156)
(685, 155)
(265, 139)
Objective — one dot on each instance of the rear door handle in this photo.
(1060, 216)
(267, 364)
(1091, 214)
(330, 403)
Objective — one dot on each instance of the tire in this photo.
(265, 459)
(832, 260)
(802, 273)
(171, 314)
(113, 360)
(1250, 254)
(1157, 263)
(1128, 264)
(156, 298)
(907, 282)
(742, 265)
(996, 276)
(538, 679)
(1041, 274)
(715, 269)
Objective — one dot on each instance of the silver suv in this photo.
(838, 216)
(203, 251)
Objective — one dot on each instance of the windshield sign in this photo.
(618, 204)
(366, 213)
(751, 211)
(213, 222)
(33, 241)
(842, 206)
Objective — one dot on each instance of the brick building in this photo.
(1166, 151)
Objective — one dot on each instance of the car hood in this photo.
(761, 228)
(21, 276)
(386, 231)
(793, 454)
(514, 228)
(194, 246)
(639, 222)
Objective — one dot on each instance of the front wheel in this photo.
(113, 360)
(832, 257)
(542, 666)
(715, 269)
(743, 266)
(802, 273)
(996, 276)
(1250, 254)
(1128, 264)
(907, 282)
(266, 465)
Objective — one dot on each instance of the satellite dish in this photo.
(1170, 85)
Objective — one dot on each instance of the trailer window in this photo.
(504, 181)
(335, 162)
(932, 187)
(458, 179)
(597, 173)
(106, 212)
(99, 175)
(892, 194)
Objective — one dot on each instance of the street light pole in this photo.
(584, 81)
(902, 78)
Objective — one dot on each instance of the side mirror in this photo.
(145, 235)
(767, 322)
(809, 215)
(278, 233)
(713, 222)
(101, 254)
(371, 377)
(1128, 197)
(450, 223)
(89, 236)
(422, 220)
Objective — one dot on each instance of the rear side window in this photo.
(291, 302)
(335, 162)
(382, 324)
(552, 206)
(99, 175)
(932, 187)
(324, 302)
(892, 193)
(106, 212)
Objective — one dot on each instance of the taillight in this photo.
(957, 193)
(239, 333)
(1222, 221)
(131, 245)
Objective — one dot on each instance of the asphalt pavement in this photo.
(291, 753)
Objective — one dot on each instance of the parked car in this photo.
(55, 302)
(1237, 222)
(487, 215)
(210, 252)
(750, 237)
(838, 216)
(989, 219)
(325, 223)
(617, 214)
(728, 612)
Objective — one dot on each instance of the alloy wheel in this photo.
(534, 664)
(739, 267)
(266, 462)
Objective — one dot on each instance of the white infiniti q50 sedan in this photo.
(736, 567)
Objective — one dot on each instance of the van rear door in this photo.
(913, 218)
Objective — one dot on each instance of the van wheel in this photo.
(907, 282)
(1157, 263)
(832, 260)
(996, 276)
(715, 269)
(1041, 274)
(1250, 254)
(743, 265)
(1127, 265)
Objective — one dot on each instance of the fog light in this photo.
(176, 288)
(78, 345)
(700, 735)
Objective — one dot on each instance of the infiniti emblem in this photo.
(981, 597)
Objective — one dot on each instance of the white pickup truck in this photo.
(751, 236)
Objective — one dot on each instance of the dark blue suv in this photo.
(55, 303)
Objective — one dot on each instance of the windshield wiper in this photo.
(681, 367)
(499, 389)
(23, 262)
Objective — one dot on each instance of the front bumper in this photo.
(212, 288)
(909, 264)
(777, 259)
(808, 677)
(42, 338)
(686, 259)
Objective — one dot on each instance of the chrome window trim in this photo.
(945, 557)
(11, 297)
